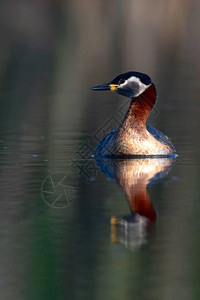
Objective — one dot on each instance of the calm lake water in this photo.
(57, 206)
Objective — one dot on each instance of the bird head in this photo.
(129, 84)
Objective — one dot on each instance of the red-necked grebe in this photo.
(133, 137)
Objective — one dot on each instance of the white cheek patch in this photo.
(134, 84)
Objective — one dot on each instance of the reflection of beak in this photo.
(105, 87)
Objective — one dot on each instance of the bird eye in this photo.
(121, 81)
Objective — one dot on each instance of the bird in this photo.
(133, 137)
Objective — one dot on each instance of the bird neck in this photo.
(140, 108)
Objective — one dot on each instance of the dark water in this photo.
(66, 247)
(70, 227)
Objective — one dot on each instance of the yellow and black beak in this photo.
(105, 87)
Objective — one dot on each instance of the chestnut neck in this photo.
(140, 108)
(140, 203)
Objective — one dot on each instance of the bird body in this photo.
(133, 137)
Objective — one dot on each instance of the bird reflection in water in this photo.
(134, 175)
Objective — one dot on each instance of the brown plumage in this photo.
(134, 176)
(133, 137)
